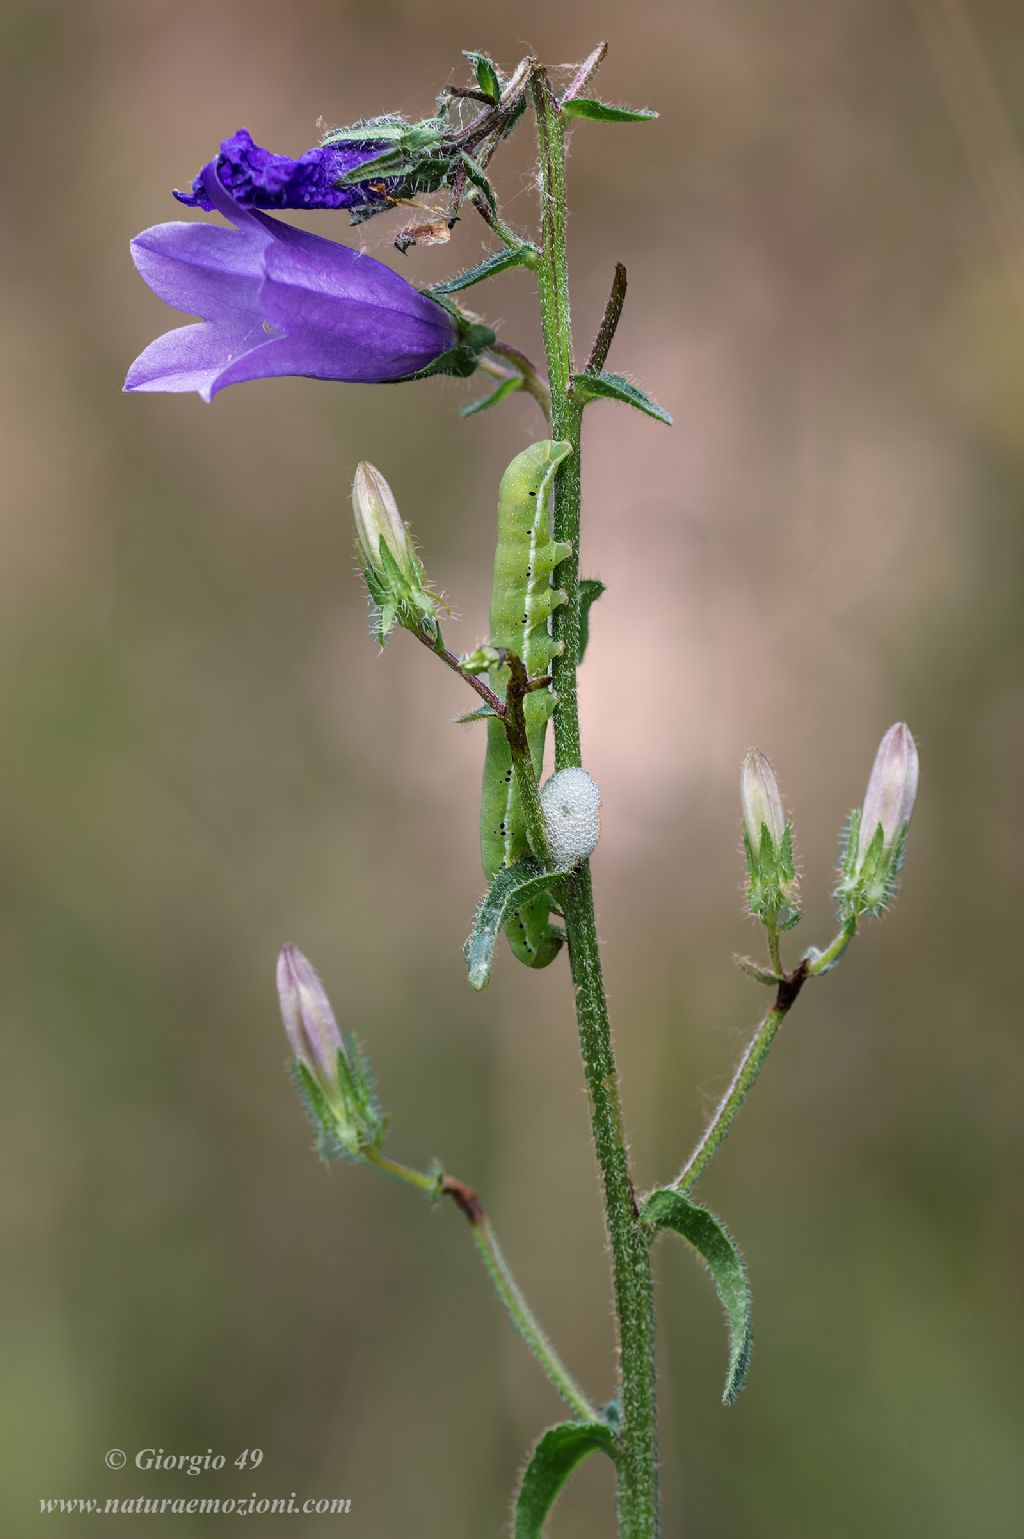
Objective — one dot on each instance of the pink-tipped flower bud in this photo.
(308, 1018)
(768, 843)
(377, 518)
(892, 790)
(761, 799)
(876, 836)
(332, 1076)
(394, 576)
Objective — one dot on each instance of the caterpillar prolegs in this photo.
(522, 602)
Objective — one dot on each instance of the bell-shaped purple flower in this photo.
(257, 178)
(275, 300)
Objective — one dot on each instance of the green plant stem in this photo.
(773, 946)
(820, 962)
(523, 1319)
(525, 1322)
(743, 1080)
(631, 1265)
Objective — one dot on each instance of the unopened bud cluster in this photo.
(393, 574)
(876, 835)
(333, 1079)
(772, 889)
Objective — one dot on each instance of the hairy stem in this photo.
(743, 1080)
(525, 1322)
(637, 1464)
(522, 1317)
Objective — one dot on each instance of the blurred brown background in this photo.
(204, 756)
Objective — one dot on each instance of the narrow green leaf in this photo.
(512, 886)
(590, 589)
(506, 388)
(551, 1463)
(603, 112)
(482, 713)
(479, 179)
(615, 387)
(486, 74)
(497, 262)
(669, 1209)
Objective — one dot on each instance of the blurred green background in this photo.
(203, 756)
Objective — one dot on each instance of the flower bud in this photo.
(768, 844)
(394, 576)
(308, 1017)
(333, 1079)
(892, 789)
(761, 800)
(876, 836)
(378, 519)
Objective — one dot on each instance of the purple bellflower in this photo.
(275, 300)
(257, 178)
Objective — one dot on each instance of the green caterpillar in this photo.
(522, 601)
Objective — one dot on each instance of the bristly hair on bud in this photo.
(332, 1077)
(875, 840)
(394, 577)
(768, 844)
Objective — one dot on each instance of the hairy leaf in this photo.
(590, 590)
(511, 887)
(604, 112)
(496, 262)
(506, 388)
(551, 1463)
(486, 73)
(669, 1209)
(615, 387)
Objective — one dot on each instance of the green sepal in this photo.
(868, 886)
(771, 873)
(670, 1209)
(615, 387)
(551, 1463)
(413, 151)
(483, 712)
(487, 77)
(512, 886)
(321, 1115)
(590, 590)
(604, 112)
(358, 1086)
(463, 358)
(506, 388)
(497, 262)
(334, 1141)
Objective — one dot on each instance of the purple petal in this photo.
(352, 319)
(257, 178)
(194, 357)
(202, 269)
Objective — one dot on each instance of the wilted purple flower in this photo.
(892, 789)
(257, 178)
(275, 300)
(308, 1017)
